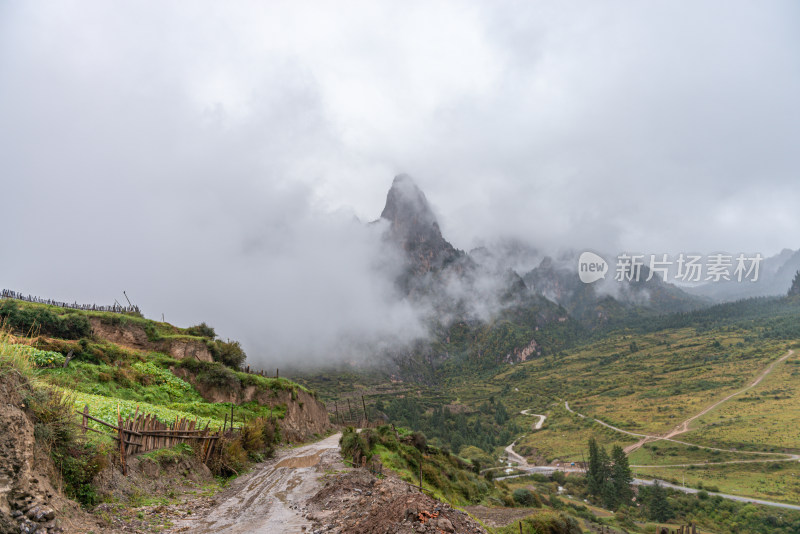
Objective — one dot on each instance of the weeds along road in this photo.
(270, 498)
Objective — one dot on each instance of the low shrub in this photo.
(202, 330)
(255, 442)
(228, 353)
(75, 457)
(524, 497)
(354, 446)
(35, 320)
(44, 358)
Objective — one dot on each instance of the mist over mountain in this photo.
(775, 276)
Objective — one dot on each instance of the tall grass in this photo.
(15, 358)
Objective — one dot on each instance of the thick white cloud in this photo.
(201, 154)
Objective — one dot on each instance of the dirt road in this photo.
(539, 423)
(270, 499)
(511, 454)
(684, 426)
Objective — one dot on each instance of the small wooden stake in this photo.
(122, 460)
(364, 404)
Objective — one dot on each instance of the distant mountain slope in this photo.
(774, 278)
(607, 299)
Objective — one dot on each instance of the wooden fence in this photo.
(114, 308)
(351, 417)
(142, 433)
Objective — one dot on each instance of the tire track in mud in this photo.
(271, 497)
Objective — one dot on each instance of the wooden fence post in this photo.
(85, 418)
(121, 438)
(364, 404)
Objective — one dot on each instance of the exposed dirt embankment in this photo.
(28, 500)
(133, 336)
(305, 415)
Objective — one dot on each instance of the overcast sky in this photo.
(211, 155)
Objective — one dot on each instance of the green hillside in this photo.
(112, 378)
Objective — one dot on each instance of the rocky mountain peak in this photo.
(413, 226)
(406, 205)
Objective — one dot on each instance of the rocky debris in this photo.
(26, 496)
(151, 518)
(356, 502)
(32, 516)
(146, 476)
(28, 501)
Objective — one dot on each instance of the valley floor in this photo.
(754, 457)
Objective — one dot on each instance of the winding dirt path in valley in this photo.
(684, 426)
(270, 498)
(511, 454)
(680, 429)
(539, 423)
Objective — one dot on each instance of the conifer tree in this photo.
(621, 477)
(658, 508)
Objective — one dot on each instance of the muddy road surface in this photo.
(272, 497)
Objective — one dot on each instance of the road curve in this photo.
(539, 423)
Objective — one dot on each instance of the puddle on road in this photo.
(300, 461)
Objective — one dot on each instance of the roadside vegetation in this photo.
(58, 367)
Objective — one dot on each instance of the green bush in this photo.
(212, 374)
(44, 358)
(35, 320)
(201, 330)
(353, 445)
(524, 497)
(419, 441)
(229, 353)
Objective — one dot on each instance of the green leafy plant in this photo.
(43, 358)
(166, 380)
